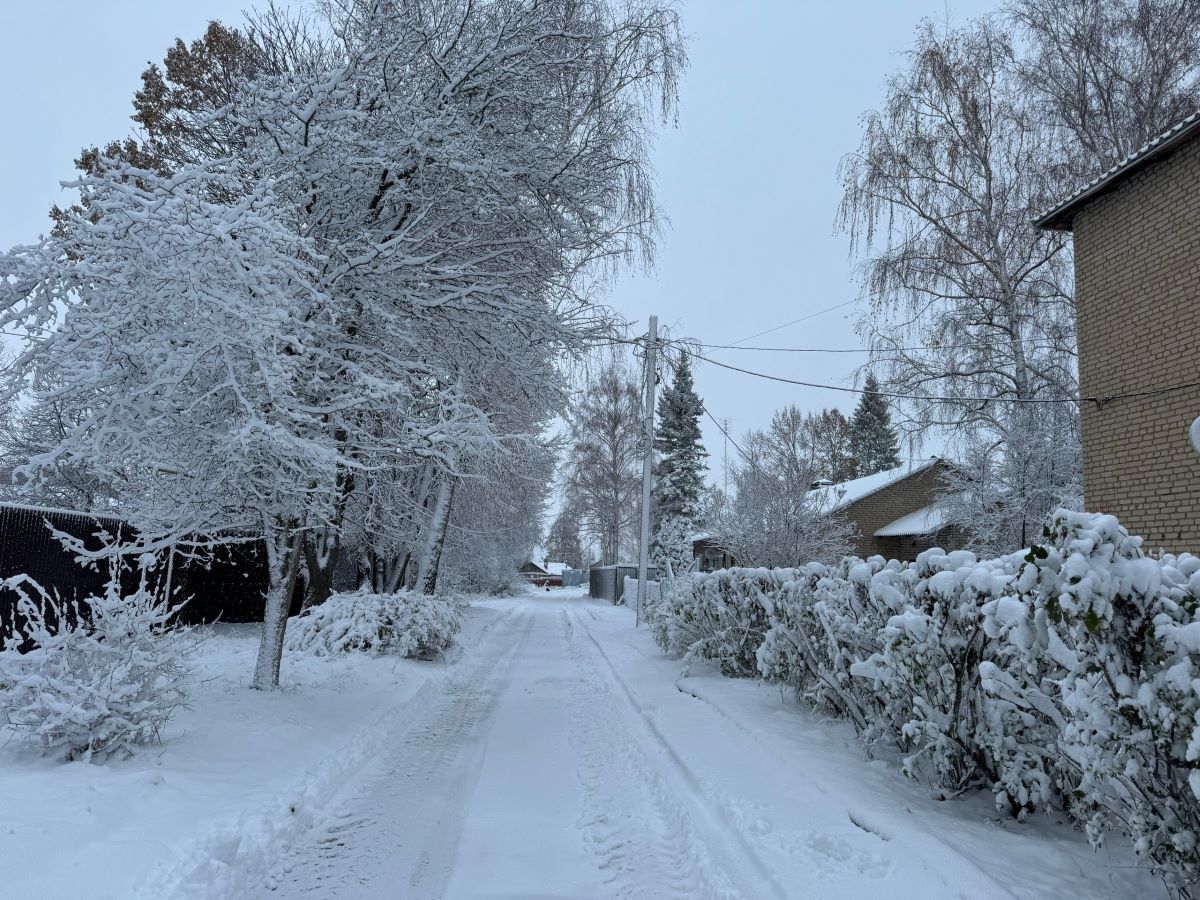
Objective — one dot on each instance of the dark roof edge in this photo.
(1062, 217)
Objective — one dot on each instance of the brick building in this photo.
(1137, 278)
(895, 511)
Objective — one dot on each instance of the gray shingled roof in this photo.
(1062, 216)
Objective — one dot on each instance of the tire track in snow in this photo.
(721, 849)
(635, 824)
(397, 832)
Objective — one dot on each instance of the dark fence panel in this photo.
(608, 582)
(230, 587)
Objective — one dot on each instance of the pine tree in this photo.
(872, 438)
(679, 468)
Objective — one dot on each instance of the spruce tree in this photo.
(679, 469)
(872, 438)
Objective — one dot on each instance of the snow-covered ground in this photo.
(558, 756)
(239, 774)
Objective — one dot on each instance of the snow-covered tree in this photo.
(984, 128)
(1001, 509)
(678, 470)
(607, 446)
(496, 519)
(564, 543)
(872, 439)
(678, 444)
(773, 517)
(312, 292)
(34, 428)
(972, 313)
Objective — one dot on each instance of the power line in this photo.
(704, 406)
(880, 350)
(1099, 401)
(728, 436)
(819, 312)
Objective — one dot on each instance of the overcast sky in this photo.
(770, 104)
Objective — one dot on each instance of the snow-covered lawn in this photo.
(558, 755)
(238, 775)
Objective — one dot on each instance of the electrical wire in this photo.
(819, 312)
(684, 344)
(1099, 401)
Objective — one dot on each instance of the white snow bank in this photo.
(237, 774)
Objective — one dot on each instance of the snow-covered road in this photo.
(567, 760)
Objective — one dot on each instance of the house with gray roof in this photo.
(896, 511)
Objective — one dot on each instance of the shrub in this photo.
(404, 623)
(1101, 658)
(1067, 675)
(720, 616)
(102, 676)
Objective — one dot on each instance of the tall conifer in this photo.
(872, 438)
(679, 469)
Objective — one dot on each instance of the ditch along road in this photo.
(565, 760)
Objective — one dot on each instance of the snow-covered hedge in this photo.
(1067, 675)
(716, 615)
(404, 623)
(101, 677)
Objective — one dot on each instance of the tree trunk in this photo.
(284, 555)
(435, 562)
(320, 566)
(431, 553)
(322, 549)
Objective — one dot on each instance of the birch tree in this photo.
(971, 311)
(773, 517)
(345, 247)
(607, 447)
(1108, 75)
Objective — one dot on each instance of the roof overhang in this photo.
(927, 520)
(1062, 217)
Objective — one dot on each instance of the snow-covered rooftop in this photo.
(839, 496)
(926, 520)
(1063, 215)
(555, 568)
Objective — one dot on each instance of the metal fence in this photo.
(608, 582)
(230, 587)
(574, 577)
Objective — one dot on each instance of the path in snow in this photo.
(563, 762)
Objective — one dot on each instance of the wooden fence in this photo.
(231, 587)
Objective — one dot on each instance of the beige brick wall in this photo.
(887, 505)
(1137, 271)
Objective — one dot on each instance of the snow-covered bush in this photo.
(102, 676)
(926, 673)
(404, 623)
(1067, 675)
(822, 621)
(719, 616)
(1102, 661)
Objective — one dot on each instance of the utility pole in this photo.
(647, 468)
